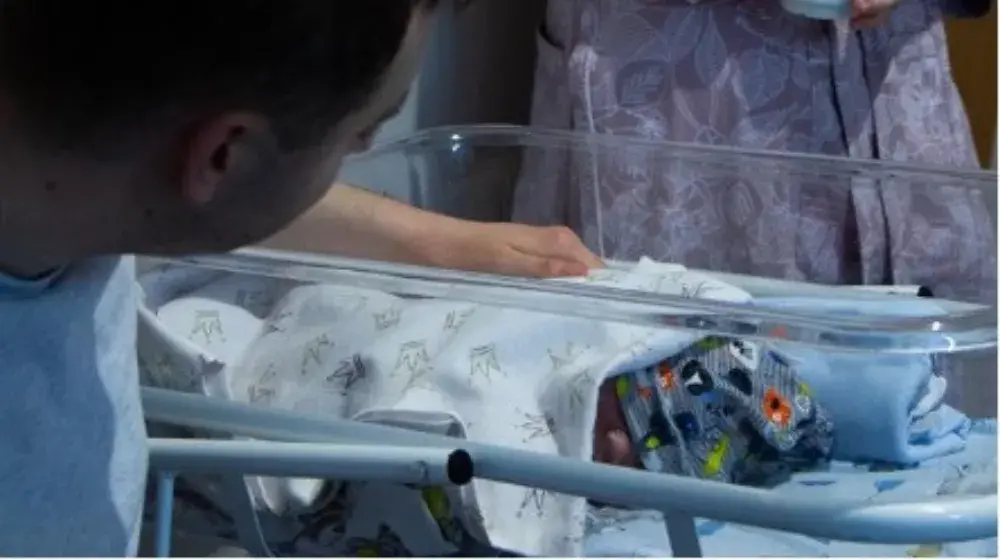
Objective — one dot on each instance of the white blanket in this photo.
(507, 377)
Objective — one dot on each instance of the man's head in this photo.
(185, 125)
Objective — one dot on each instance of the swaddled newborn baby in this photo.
(721, 409)
(666, 400)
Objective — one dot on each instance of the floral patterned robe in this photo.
(748, 74)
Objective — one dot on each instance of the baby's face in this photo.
(612, 444)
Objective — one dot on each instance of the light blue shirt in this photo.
(72, 438)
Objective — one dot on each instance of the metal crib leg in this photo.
(241, 508)
(164, 513)
(683, 535)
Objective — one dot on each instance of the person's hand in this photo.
(517, 250)
(866, 14)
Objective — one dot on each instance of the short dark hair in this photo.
(75, 67)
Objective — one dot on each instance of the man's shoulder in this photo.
(94, 276)
(68, 358)
(96, 295)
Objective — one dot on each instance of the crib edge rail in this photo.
(320, 447)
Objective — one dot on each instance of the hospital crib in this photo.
(290, 444)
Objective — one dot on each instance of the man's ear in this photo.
(220, 149)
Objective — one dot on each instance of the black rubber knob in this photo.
(460, 467)
(924, 291)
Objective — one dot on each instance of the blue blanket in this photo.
(885, 407)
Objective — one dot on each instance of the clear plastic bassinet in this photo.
(613, 185)
(764, 215)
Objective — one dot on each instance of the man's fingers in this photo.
(541, 252)
(561, 243)
(590, 260)
(520, 263)
(546, 267)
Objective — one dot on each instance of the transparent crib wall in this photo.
(479, 68)
(453, 159)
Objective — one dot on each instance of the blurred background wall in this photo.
(972, 44)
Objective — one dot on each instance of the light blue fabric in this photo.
(878, 402)
(972, 471)
(72, 439)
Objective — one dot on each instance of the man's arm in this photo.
(353, 222)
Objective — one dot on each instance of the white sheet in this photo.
(513, 378)
(525, 380)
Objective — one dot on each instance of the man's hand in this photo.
(356, 223)
(866, 14)
(515, 250)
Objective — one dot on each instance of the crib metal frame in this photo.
(303, 445)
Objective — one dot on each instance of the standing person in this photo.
(170, 127)
(746, 73)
